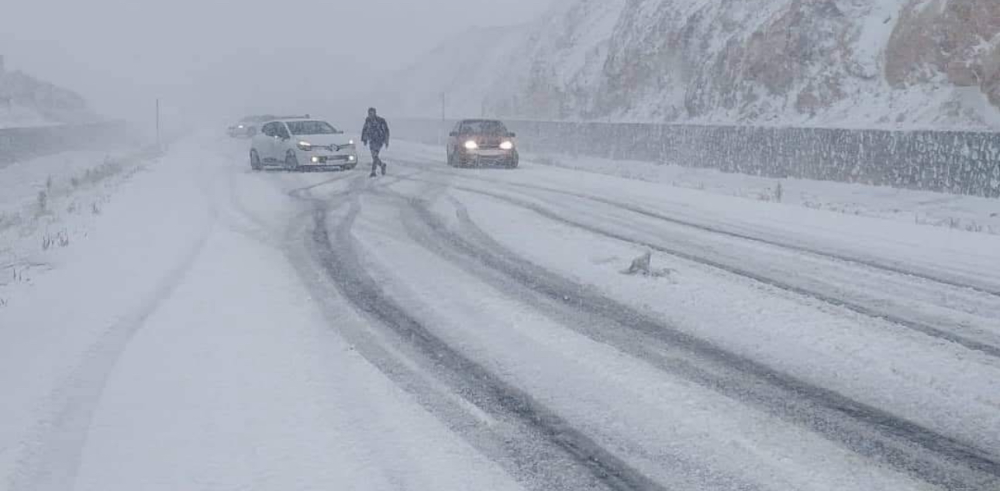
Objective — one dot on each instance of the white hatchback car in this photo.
(302, 144)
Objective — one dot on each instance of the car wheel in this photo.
(254, 160)
(514, 160)
(291, 161)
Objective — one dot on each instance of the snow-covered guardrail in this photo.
(23, 143)
(960, 162)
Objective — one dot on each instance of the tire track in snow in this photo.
(303, 191)
(868, 431)
(919, 326)
(52, 460)
(989, 289)
(393, 364)
(257, 228)
(554, 449)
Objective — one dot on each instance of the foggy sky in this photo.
(213, 56)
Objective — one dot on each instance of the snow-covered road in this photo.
(462, 329)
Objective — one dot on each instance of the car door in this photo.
(282, 141)
(449, 144)
(455, 138)
(264, 142)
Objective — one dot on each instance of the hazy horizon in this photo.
(210, 58)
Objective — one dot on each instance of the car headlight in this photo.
(305, 146)
(240, 127)
(471, 145)
(350, 142)
(507, 145)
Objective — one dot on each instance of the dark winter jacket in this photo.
(375, 132)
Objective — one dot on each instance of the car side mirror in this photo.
(511, 135)
(453, 133)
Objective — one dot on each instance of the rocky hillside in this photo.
(870, 63)
(26, 101)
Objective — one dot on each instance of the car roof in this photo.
(481, 121)
(294, 120)
(260, 118)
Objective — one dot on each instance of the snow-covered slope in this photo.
(882, 63)
(26, 101)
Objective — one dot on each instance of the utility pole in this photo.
(158, 147)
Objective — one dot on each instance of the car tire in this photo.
(515, 159)
(291, 161)
(255, 161)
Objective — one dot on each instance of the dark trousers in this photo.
(376, 149)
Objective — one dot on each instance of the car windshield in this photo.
(483, 128)
(311, 128)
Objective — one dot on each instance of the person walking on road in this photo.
(375, 136)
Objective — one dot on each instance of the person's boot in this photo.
(383, 168)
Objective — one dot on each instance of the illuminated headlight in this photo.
(507, 145)
(305, 146)
(350, 142)
(240, 127)
(315, 160)
(350, 158)
(471, 145)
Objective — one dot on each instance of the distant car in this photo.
(246, 127)
(302, 144)
(482, 142)
(249, 126)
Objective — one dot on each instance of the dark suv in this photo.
(481, 142)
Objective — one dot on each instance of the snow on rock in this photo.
(26, 101)
(14, 115)
(854, 63)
